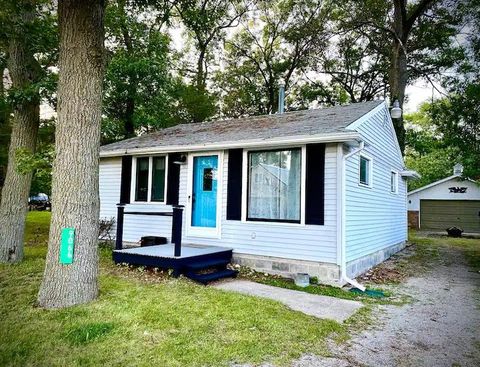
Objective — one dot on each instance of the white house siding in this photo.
(290, 241)
(109, 178)
(442, 192)
(376, 219)
(134, 226)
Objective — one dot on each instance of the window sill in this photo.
(365, 185)
(274, 223)
(149, 202)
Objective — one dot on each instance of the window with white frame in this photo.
(394, 182)
(277, 197)
(149, 179)
(365, 171)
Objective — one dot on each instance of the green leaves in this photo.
(277, 42)
(444, 133)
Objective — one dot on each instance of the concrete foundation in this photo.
(325, 272)
(361, 265)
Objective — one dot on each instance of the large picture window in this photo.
(150, 179)
(274, 185)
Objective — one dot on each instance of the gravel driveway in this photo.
(441, 327)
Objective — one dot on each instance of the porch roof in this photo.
(326, 124)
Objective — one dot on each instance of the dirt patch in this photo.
(383, 275)
(415, 259)
(440, 327)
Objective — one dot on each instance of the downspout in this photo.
(343, 263)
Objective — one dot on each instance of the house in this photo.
(319, 191)
(452, 201)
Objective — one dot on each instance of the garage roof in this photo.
(437, 183)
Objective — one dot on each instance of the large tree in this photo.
(139, 86)
(75, 194)
(416, 37)
(349, 71)
(447, 130)
(206, 23)
(276, 45)
(5, 129)
(21, 38)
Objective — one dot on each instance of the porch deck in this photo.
(162, 256)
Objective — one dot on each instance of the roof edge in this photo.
(283, 141)
(434, 184)
(353, 125)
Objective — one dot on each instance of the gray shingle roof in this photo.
(309, 122)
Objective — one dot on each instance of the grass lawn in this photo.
(144, 320)
(427, 247)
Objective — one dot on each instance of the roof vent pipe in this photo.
(281, 96)
(457, 169)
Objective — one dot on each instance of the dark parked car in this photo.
(39, 202)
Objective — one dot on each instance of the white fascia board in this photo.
(433, 184)
(277, 142)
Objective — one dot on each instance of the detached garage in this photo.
(453, 201)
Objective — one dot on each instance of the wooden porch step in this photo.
(205, 264)
(210, 277)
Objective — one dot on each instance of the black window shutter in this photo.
(126, 179)
(173, 178)
(315, 184)
(234, 186)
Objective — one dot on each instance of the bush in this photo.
(105, 232)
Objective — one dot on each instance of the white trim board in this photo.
(204, 232)
(133, 179)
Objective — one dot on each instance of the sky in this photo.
(418, 93)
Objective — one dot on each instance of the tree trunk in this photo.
(129, 112)
(5, 131)
(75, 173)
(398, 84)
(201, 82)
(398, 73)
(24, 70)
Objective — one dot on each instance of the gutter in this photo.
(282, 141)
(343, 263)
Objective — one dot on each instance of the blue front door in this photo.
(204, 195)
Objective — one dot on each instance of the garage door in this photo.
(441, 214)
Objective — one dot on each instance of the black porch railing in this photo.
(177, 218)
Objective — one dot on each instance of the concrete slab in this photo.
(323, 307)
